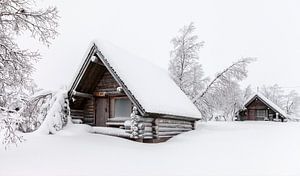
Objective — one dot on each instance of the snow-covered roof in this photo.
(268, 102)
(150, 85)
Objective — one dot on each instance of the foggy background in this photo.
(265, 29)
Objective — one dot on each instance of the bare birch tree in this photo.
(288, 101)
(236, 71)
(16, 64)
(247, 93)
(184, 67)
(223, 91)
(275, 93)
(292, 103)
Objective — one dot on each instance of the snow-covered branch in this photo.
(57, 115)
(16, 64)
(236, 71)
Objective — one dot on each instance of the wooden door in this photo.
(102, 111)
(251, 114)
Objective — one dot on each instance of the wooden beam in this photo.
(99, 94)
(96, 60)
(81, 94)
(103, 94)
(82, 70)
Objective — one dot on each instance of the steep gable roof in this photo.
(149, 87)
(267, 102)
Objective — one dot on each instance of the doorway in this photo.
(102, 111)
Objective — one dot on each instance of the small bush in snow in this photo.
(9, 123)
(57, 115)
(35, 111)
(45, 111)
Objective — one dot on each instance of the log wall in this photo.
(165, 128)
(107, 83)
(89, 112)
(119, 123)
(77, 114)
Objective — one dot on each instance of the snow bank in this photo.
(111, 131)
(75, 129)
(215, 148)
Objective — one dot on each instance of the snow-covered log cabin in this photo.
(259, 107)
(115, 89)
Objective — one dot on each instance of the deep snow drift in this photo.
(215, 148)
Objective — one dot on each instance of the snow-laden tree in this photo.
(228, 100)
(288, 101)
(247, 93)
(223, 103)
(223, 94)
(9, 123)
(55, 113)
(236, 71)
(19, 17)
(292, 103)
(45, 112)
(196, 82)
(35, 110)
(275, 93)
(184, 67)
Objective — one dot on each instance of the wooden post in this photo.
(81, 94)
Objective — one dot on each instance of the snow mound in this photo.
(111, 131)
(75, 129)
(213, 149)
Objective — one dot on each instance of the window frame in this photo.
(259, 114)
(113, 102)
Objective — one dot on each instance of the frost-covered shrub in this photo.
(57, 115)
(9, 123)
(46, 110)
(35, 111)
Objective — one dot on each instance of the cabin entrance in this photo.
(251, 114)
(102, 111)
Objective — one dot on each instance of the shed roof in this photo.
(147, 85)
(266, 101)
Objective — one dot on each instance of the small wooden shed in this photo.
(113, 87)
(258, 107)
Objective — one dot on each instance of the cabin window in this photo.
(261, 114)
(122, 107)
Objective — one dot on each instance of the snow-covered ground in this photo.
(215, 148)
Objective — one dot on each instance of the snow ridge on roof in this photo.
(266, 100)
(151, 85)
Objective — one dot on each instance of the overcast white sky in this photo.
(266, 29)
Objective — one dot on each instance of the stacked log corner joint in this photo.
(135, 126)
